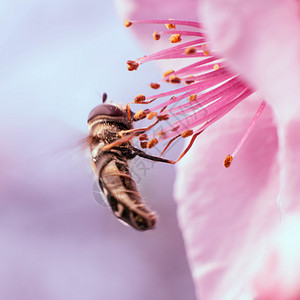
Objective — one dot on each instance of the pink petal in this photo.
(226, 215)
(261, 41)
(230, 220)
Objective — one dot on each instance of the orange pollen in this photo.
(140, 98)
(190, 50)
(139, 115)
(170, 26)
(192, 97)
(127, 23)
(190, 81)
(156, 35)
(175, 38)
(144, 145)
(174, 79)
(132, 65)
(163, 117)
(152, 143)
(228, 161)
(151, 115)
(143, 137)
(216, 67)
(187, 133)
(165, 74)
(155, 85)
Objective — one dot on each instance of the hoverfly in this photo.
(110, 155)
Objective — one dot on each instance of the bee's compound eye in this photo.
(105, 110)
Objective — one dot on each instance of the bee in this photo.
(110, 153)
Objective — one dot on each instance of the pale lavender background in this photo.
(56, 241)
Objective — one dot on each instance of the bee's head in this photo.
(110, 113)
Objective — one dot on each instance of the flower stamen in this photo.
(170, 26)
(175, 38)
(229, 158)
(211, 89)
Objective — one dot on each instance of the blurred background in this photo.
(57, 238)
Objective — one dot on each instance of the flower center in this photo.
(211, 89)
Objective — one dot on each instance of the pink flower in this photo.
(241, 225)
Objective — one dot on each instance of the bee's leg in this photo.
(138, 130)
(131, 134)
(118, 142)
(143, 154)
(155, 158)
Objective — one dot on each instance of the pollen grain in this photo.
(167, 73)
(151, 115)
(190, 50)
(143, 137)
(228, 161)
(127, 23)
(139, 115)
(132, 65)
(155, 86)
(170, 26)
(192, 97)
(216, 67)
(143, 145)
(156, 35)
(152, 143)
(174, 79)
(175, 38)
(187, 133)
(139, 99)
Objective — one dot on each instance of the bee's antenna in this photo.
(104, 97)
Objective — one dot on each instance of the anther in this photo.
(127, 23)
(151, 115)
(174, 79)
(190, 81)
(139, 115)
(216, 67)
(155, 86)
(143, 137)
(156, 35)
(175, 38)
(139, 99)
(163, 117)
(167, 73)
(143, 145)
(192, 97)
(170, 26)
(190, 50)
(187, 133)
(152, 143)
(228, 161)
(132, 65)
